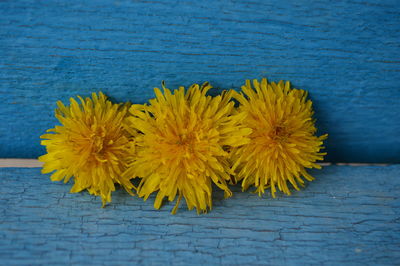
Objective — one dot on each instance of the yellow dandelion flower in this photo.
(283, 142)
(182, 146)
(90, 145)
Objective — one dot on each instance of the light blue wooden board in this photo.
(347, 216)
(346, 53)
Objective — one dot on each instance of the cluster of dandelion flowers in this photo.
(181, 148)
(90, 145)
(283, 141)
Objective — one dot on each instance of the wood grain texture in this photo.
(347, 216)
(346, 53)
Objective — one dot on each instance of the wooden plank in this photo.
(345, 53)
(347, 216)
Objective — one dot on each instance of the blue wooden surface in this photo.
(346, 53)
(347, 216)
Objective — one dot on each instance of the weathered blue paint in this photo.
(346, 53)
(347, 216)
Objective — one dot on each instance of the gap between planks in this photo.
(33, 163)
(20, 163)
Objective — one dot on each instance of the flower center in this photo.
(278, 133)
(185, 144)
(185, 139)
(98, 143)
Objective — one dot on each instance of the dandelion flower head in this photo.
(90, 145)
(182, 146)
(283, 139)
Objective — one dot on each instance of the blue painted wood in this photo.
(347, 216)
(346, 53)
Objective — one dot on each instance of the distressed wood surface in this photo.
(346, 53)
(347, 216)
